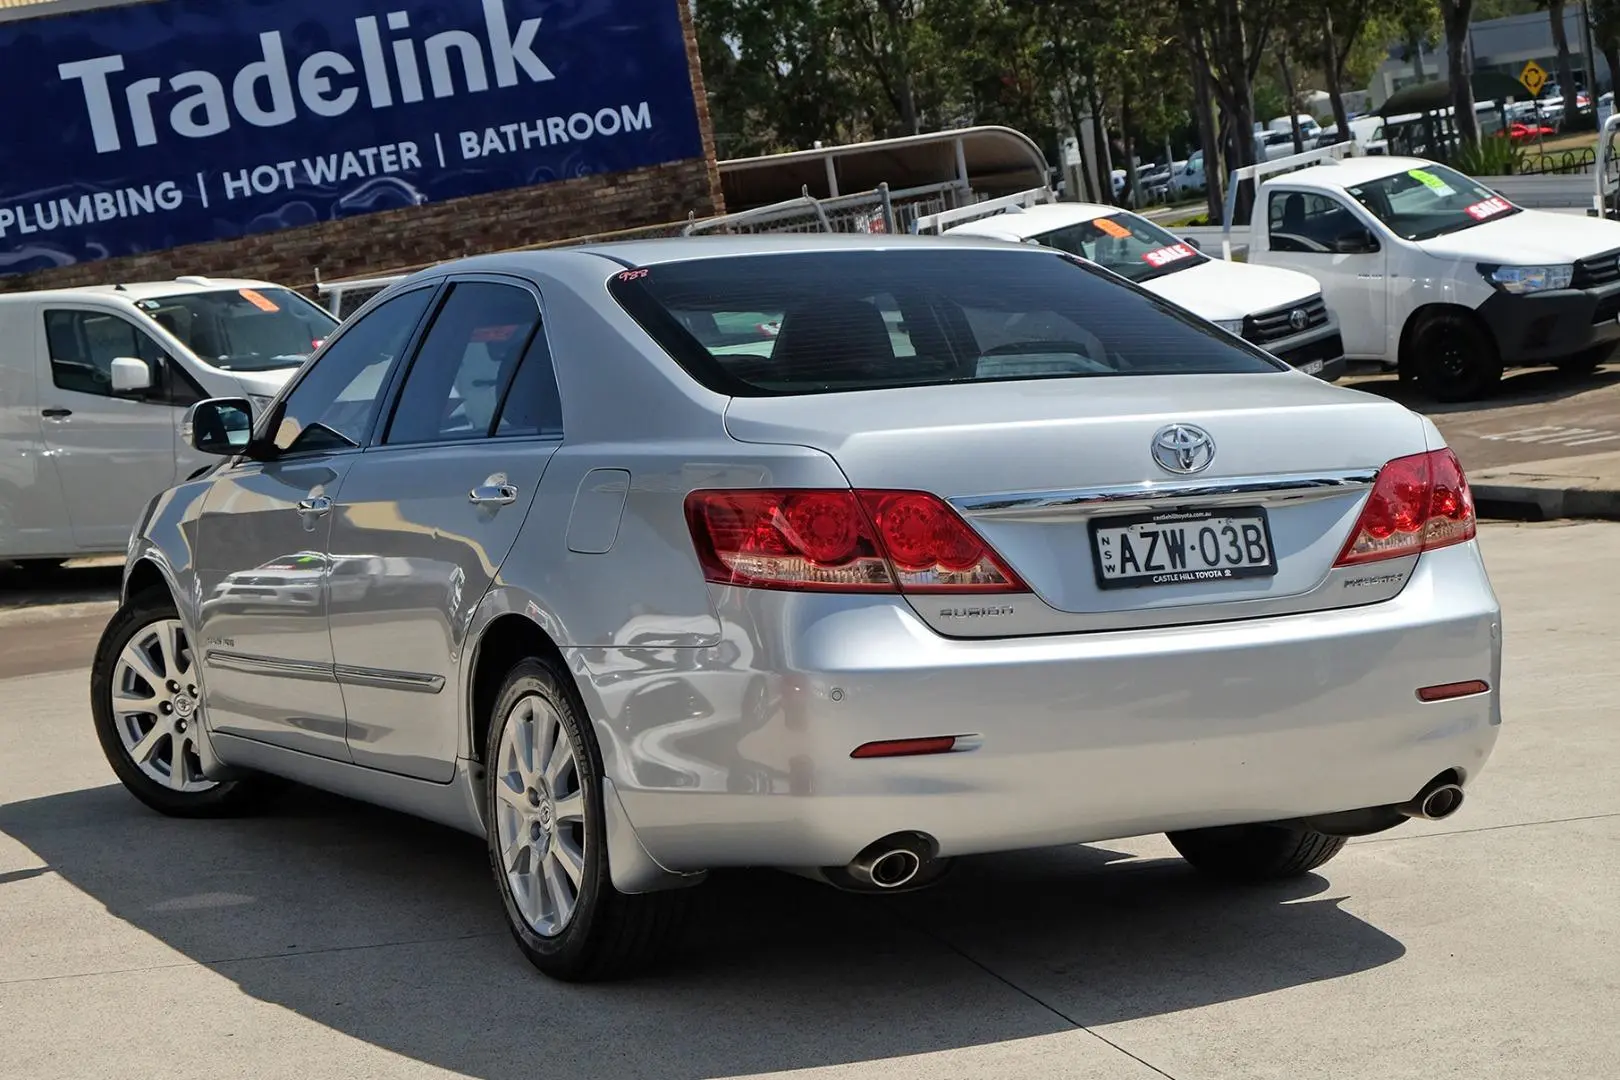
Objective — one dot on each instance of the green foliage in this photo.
(1495, 156)
(784, 74)
(1501, 9)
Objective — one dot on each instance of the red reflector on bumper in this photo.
(936, 744)
(1447, 691)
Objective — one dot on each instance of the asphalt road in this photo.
(1539, 414)
(330, 940)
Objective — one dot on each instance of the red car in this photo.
(1527, 132)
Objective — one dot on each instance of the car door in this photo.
(429, 512)
(1305, 232)
(112, 452)
(261, 543)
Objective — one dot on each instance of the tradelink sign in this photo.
(179, 121)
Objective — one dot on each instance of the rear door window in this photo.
(466, 362)
(1302, 221)
(814, 322)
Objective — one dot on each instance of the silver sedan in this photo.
(841, 556)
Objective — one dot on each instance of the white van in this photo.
(95, 381)
(1281, 311)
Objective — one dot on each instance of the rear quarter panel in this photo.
(642, 606)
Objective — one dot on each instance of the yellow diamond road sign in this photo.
(1534, 77)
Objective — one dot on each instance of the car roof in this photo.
(143, 290)
(1349, 172)
(1034, 220)
(588, 258)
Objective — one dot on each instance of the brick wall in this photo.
(407, 239)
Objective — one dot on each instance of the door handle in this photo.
(56, 414)
(494, 491)
(315, 507)
(493, 495)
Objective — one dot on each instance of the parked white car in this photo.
(95, 382)
(1188, 178)
(1281, 311)
(1308, 126)
(1437, 274)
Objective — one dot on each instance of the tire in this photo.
(1255, 853)
(141, 744)
(1455, 358)
(1586, 361)
(605, 933)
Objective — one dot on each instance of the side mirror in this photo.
(131, 376)
(219, 426)
(1356, 242)
(1192, 243)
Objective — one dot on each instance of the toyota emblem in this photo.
(1298, 319)
(1183, 448)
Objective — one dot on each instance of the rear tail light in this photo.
(1418, 504)
(841, 541)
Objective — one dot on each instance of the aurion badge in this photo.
(1183, 448)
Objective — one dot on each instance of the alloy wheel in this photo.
(156, 706)
(540, 815)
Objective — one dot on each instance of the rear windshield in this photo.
(244, 329)
(816, 322)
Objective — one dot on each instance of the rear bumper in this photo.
(1543, 327)
(740, 754)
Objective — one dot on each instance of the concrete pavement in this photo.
(329, 939)
(51, 620)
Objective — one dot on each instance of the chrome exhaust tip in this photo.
(886, 869)
(1435, 803)
(903, 860)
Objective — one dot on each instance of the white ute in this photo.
(94, 383)
(1279, 310)
(1436, 274)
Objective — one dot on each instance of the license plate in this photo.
(1313, 367)
(1182, 547)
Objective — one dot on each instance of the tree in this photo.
(1347, 38)
(775, 74)
(1605, 18)
(1228, 38)
(1455, 15)
(1417, 25)
(1566, 70)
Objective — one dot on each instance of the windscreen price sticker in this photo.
(1166, 255)
(1489, 208)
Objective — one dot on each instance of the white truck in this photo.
(1279, 310)
(1440, 276)
(94, 383)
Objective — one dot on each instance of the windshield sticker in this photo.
(1166, 255)
(258, 300)
(1432, 182)
(1112, 228)
(1489, 208)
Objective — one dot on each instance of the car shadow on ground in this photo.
(1528, 386)
(387, 929)
(32, 585)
